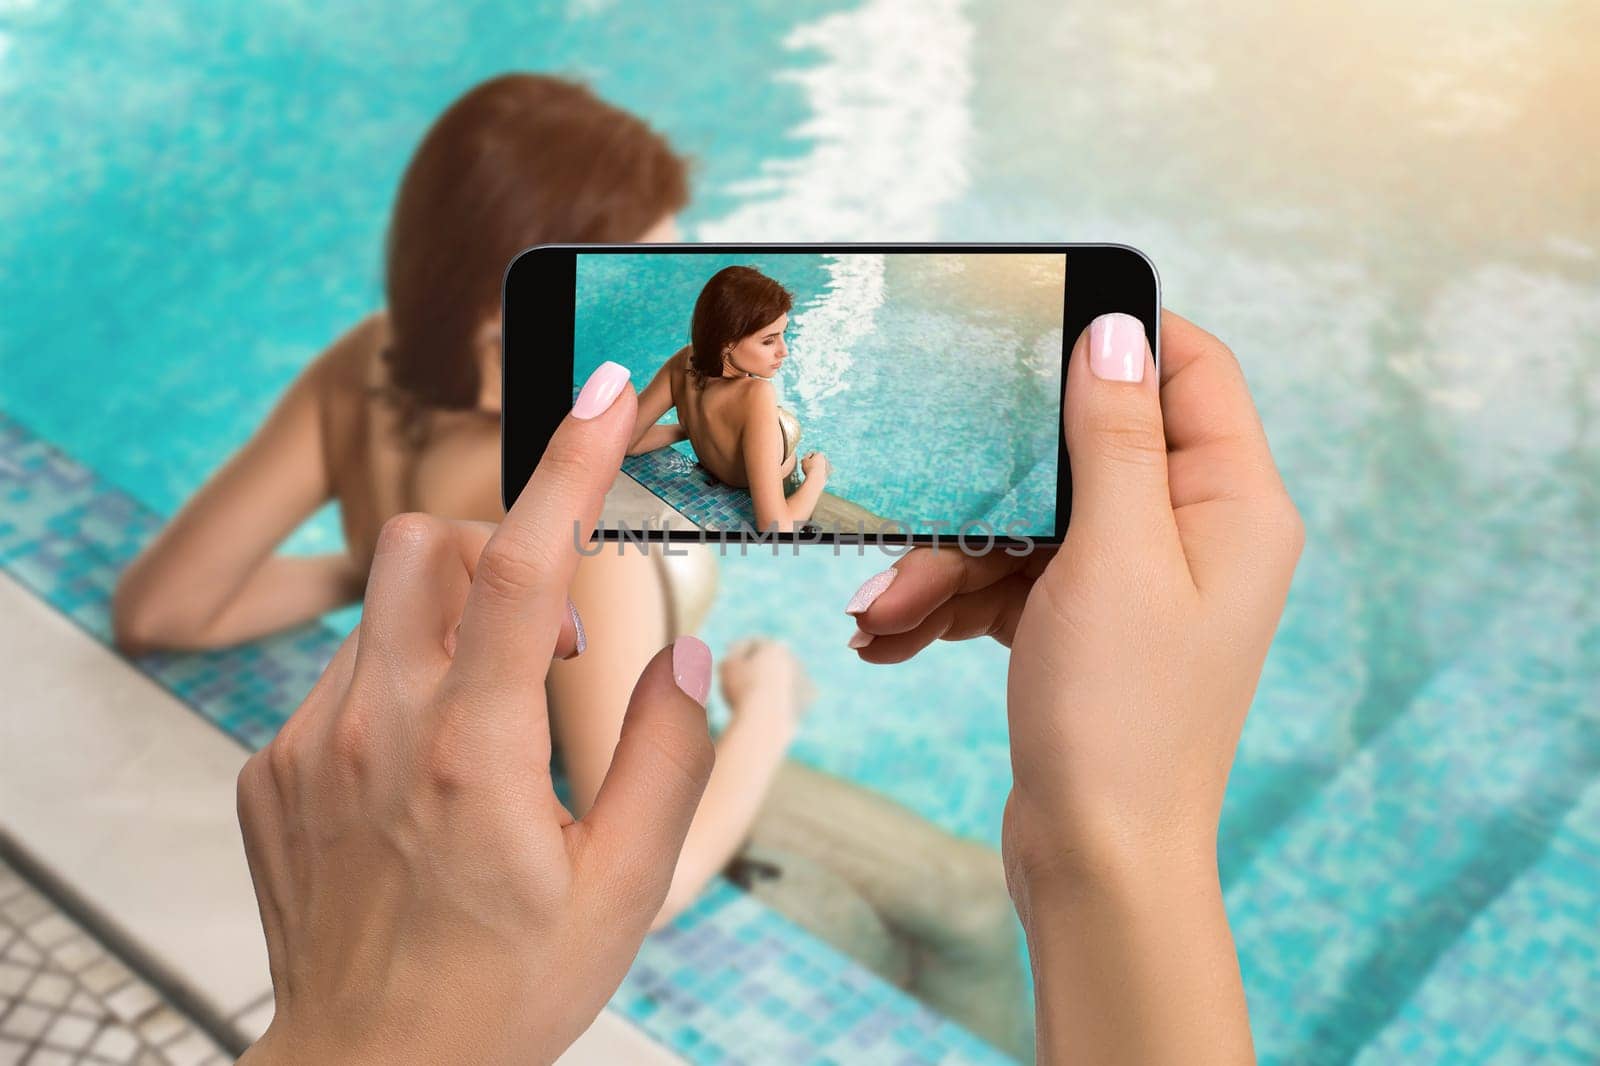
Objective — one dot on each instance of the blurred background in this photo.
(1390, 212)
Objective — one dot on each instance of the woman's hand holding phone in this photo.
(1136, 649)
(425, 896)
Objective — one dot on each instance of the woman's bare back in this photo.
(714, 411)
(376, 472)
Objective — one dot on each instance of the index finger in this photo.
(1216, 444)
(518, 600)
(1239, 528)
(901, 599)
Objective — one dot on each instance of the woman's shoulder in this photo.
(353, 363)
(749, 402)
(756, 394)
(677, 364)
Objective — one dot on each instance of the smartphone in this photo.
(903, 394)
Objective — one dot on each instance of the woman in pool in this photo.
(402, 414)
(721, 385)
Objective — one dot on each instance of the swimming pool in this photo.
(194, 203)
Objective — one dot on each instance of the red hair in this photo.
(737, 301)
(520, 160)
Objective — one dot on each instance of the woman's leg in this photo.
(621, 601)
(824, 904)
(942, 898)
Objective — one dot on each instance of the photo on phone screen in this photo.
(909, 393)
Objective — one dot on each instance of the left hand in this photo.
(425, 896)
(1135, 652)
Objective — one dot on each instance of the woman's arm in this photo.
(654, 402)
(762, 443)
(620, 600)
(662, 435)
(209, 578)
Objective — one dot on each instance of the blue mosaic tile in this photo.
(688, 487)
(730, 981)
(751, 987)
(67, 535)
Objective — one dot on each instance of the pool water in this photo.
(932, 382)
(1390, 212)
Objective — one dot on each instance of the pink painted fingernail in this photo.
(600, 390)
(691, 667)
(1117, 348)
(577, 624)
(870, 590)
(859, 639)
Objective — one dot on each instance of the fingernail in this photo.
(600, 390)
(691, 667)
(859, 639)
(1116, 348)
(577, 624)
(870, 590)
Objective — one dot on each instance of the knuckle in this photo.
(1210, 346)
(253, 787)
(686, 749)
(1282, 526)
(510, 567)
(1135, 441)
(446, 767)
(409, 533)
(283, 759)
(352, 742)
(698, 755)
(562, 469)
(564, 465)
(1293, 528)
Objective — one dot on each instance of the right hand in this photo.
(421, 887)
(815, 464)
(1137, 646)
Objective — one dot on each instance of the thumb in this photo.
(659, 770)
(1116, 445)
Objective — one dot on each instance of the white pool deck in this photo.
(121, 799)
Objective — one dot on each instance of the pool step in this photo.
(1349, 907)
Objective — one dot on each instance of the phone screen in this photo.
(907, 394)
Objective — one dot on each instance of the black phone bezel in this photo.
(537, 326)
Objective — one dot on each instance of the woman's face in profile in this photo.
(762, 353)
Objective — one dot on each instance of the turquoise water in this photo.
(1390, 211)
(931, 382)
